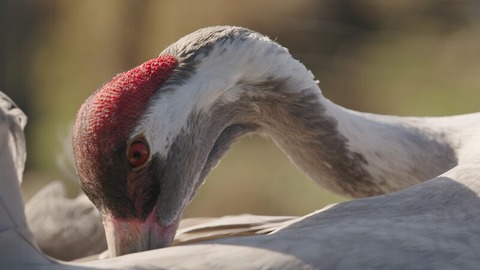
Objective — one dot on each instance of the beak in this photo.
(132, 235)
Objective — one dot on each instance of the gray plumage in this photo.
(433, 225)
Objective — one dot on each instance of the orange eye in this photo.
(138, 153)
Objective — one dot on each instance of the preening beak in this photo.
(131, 235)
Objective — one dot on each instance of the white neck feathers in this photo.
(224, 75)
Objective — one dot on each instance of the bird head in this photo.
(117, 166)
(144, 142)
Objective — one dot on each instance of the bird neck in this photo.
(353, 153)
(251, 84)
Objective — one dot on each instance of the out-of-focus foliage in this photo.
(395, 57)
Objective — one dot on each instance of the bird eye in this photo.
(138, 153)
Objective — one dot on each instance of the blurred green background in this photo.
(400, 57)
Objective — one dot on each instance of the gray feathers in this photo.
(65, 228)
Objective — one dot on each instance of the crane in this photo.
(145, 141)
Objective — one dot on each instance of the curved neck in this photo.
(352, 153)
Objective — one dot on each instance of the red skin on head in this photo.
(119, 103)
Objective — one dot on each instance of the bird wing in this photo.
(193, 230)
(12, 162)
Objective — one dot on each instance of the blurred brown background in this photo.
(401, 57)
